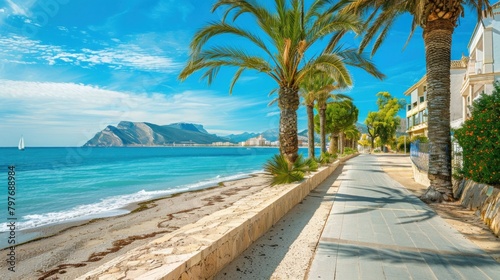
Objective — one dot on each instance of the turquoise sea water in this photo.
(57, 185)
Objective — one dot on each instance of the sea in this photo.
(60, 185)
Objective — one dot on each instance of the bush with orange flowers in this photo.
(480, 140)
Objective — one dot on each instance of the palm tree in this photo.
(290, 32)
(323, 98)
(352, 134)
(438, 19)
(317, 87)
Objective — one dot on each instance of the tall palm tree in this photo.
(317, 87)
(290, 32)
(323, 98)
(438, 19)
(352, 134)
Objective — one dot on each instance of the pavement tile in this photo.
(379, 230)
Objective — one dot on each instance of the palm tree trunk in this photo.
(334, 143)
(341, 143)
(437, 40)
(288, 102)
(322, 128)
(310, 129)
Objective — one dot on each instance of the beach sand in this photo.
(71, 250)
(284, 252)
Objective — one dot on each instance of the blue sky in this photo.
(70, 68)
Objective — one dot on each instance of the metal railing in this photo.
(419, 154)
(457, 161)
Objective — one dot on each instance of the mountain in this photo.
(270, 135)
(237, 138)
(188, 126)
(362, 128)
(303, 135)
(148, 134)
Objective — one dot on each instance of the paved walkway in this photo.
(378, 230)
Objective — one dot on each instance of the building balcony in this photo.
(417, 127)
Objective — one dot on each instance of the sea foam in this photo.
(112, 206)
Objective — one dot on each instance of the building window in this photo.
(410, 122)
(422, 99)
(409, 107)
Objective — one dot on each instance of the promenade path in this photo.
(377, 229)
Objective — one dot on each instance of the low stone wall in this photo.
(482, 198)
(200, 250)
(420, 176)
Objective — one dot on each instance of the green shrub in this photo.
(311, 165)
(283, 174)
(349, 151)
(326, 158)
(421, 138)
(401, 143)
(480, 140)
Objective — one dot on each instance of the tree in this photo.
(384, 122)
(322, 98)
(364, 141)
(314, 87)
(290, 32)
(339, 116)
(372, 126)
(352, 133)
(479, 138)
(438, 19)
(403, 143)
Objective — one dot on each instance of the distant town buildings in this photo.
(256, 141)
(223, 144)
(469, 77)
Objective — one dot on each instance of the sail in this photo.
(20, 146)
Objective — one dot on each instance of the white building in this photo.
(484, 63)
(469, 77)
(257, 141)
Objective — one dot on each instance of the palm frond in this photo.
(353, 58)
(215, 29)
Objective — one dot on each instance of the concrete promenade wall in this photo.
(201, 249)
(483, 198)
(474, 196)
(420, 176)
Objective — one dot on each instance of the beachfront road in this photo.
(377, 229)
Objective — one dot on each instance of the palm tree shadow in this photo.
(406, 255)
(385, 197)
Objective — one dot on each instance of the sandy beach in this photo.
(284, 252)
(70, 250)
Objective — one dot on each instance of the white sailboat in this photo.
(20, 146)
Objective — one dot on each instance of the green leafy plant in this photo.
(349, 151)
(326, 158)
(283, 173)
(311, 165)
(421, 138)
(479, 138)
(400, 145)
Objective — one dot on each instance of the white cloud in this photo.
(76, 112)
(123, 55)
(62, 28)
(16, 9)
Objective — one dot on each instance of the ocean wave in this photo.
(112, 206)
